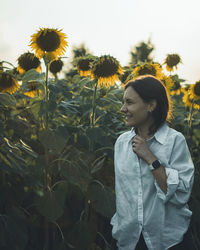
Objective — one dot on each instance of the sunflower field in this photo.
(57, 137)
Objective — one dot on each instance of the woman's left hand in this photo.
(141, 148)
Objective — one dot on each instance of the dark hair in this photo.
(150, 88)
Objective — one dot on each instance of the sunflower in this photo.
(168, 82)
(8, 83)
(171, 61)
(55, 66)
(151, 68)
(107, 70)
(195, 91)
(32, 89)
(192, 95)
(1, 67)
(126, 76)
(28, 61)
(176, 88)
(84, 65)
(49, 42)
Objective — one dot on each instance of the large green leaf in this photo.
(14, 231)
(31, 75)
(82, 235)
(7, 100)
(102, 198)
(49, 206)
(52, 140)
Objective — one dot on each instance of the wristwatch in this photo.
(156, 164)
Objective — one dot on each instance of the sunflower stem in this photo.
(47, 177)
(94, 103)
(190, 118)
(46, 96)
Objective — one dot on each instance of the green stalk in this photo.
(190, 118)
(47, 178)
(46, 95)
(94, 103)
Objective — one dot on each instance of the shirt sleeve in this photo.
(180, 174)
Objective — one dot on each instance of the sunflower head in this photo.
(49, 42)
(151, 68)
(196, 89)
(1, 67)
(32, 89)
(176, 89)
(107, 70)
(171, 61)
(126, 76)
(168, 82)
(192, 95)
(28, 61)
(55, 66)
(84, 65)
(8, 83)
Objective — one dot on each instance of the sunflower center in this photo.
(173, 60)
(56, 66)
(48, 40)
(197, 88)
(84, 65)
(147, 70)
(6, 81)
(176, 85)
(106, 69)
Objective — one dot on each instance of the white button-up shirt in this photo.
(141, 205)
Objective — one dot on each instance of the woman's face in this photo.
(135, 109)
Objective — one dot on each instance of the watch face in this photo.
(156, 164)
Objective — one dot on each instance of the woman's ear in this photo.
(152, 105)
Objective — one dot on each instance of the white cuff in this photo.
(172, 184)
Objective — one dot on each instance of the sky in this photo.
(107, 27)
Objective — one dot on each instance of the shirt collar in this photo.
(160, 135)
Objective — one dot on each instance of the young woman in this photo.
(154, 173)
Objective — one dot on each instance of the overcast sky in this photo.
(107, 27)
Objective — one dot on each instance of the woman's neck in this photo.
(144, 132)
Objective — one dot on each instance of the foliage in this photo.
(56, 158)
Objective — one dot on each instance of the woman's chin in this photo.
(129, 124)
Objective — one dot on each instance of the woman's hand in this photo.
(141, 148)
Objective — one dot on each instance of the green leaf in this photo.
(48, 206)
(52, 140)
(82, 235)
(75, 175)
(31, 75)
(98, 164)
(61, 189)
(7, 100)
(102, 198)
(68, 107)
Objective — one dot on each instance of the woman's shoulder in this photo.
(174, 133)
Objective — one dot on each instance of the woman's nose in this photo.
(123, 108)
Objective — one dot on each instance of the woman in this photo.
(154, 173)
